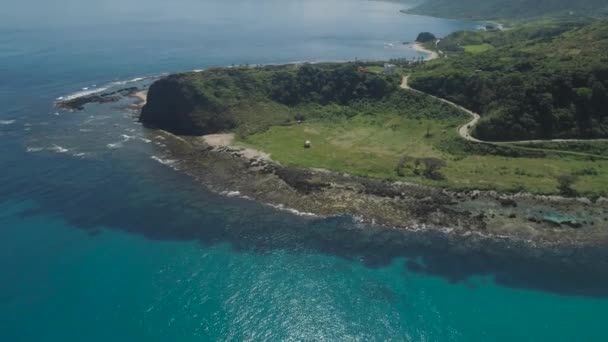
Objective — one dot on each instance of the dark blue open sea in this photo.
(102, 238)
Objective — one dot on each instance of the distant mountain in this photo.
(505, 9)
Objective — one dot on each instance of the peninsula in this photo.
(398, 146)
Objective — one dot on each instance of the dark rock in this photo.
(573, 224)
(79, 102)
(176, 106)
(508, 202)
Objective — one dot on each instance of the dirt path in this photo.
(226, 140)
(465, 130)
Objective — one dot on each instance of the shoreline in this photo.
(431, 55)
(536, 220)
(504, 227)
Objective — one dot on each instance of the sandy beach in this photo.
(431, 54)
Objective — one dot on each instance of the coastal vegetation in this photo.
(503, 9)
(545, 81)
(359, 122)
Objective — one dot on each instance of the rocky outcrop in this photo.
(175, 105)
(78, 103)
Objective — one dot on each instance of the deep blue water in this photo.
(100, 241)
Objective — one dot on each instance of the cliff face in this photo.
(253, 99)
(176, 105)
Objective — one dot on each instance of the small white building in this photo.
(390, 68)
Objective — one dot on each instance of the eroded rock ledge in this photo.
(537, 220)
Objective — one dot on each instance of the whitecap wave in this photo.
(81, 94)
(168, 162)
(7, 122)
(293, 211)
(115, 145)
(119, 144)
(85, 91)
(58, 149)
(34, 149)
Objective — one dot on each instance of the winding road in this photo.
(465, 130)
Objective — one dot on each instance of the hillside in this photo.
(508, 9)
(249, 100)
(534, 82)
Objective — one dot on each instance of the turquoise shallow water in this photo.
(99, 241)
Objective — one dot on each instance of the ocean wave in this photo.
(81, 94)
(7, 122)
(85, 91)
(293, 211)
(58, 149)
(136, 79)
(168, 162)
(34, 149)
(120, 144)
(115, 145)
(234, 194)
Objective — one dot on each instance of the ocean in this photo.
(102, 237)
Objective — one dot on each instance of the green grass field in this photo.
(478, 48)
(373, 145)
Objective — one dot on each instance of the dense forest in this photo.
(504, 9)
(536, 82)
(250, 99)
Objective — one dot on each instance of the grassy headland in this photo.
(359, 122)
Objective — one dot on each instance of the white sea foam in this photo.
(58, 149)
(85, 91)
(34, 149)
(172, 163)
(81, 94)
(7, 122)
(115, 145)
(293, 211)
(231, 193)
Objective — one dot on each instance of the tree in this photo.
(565, 183)
(402, 164)
(432, 167)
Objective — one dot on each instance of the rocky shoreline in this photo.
(551, 234)
(538, 220)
